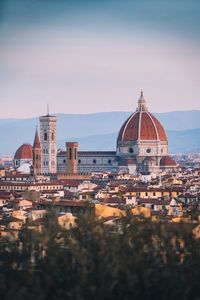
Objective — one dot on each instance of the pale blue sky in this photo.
(88, 56)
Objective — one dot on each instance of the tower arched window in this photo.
(45, 136)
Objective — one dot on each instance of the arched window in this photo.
(45, 136)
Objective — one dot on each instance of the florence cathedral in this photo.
(141, 148)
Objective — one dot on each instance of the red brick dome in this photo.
(142, 125)
(24, 152)
(167, 161)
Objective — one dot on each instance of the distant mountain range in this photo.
(98, 131)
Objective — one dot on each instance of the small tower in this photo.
(48, 144)
(72, 159)
(142, 103)
(36, 155)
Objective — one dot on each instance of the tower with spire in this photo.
(48, 143)
(36, 155)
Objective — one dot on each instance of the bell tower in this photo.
(72, 157)
(48, 144)
(36, 155)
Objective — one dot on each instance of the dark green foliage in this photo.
(133, 260)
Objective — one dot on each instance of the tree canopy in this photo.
(133, 259)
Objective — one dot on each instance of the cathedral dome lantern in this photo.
(142, 103)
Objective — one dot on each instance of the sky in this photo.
(83, 56)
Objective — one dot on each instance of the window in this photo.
(70, 153)
(109, 161)
(148, 150)
(52, 136)
(45, 136)
(64, 161)
(75, 153)
(79, 161)
(130, 150)
(94, 161)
